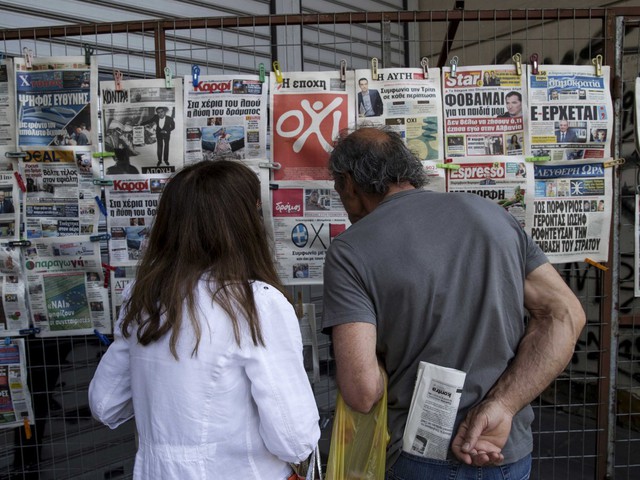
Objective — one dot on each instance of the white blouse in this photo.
(229, 412)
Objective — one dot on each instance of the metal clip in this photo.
(374, 69)
(534, 63)
(195, 75)
(16, 154)
(343, 70)
(261, 72)
(597, 61)
(19, 243)
(613, 163)
(424, 63)
(454, 66)
(168, 78)
(28, 57)
(88, 51)
(117, 78)
(517, 59)
(272, 165)
(277, 72)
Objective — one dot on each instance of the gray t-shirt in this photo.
(441, 275)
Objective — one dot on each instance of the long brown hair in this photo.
(207, 226)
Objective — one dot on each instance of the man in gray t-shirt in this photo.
(445, 279)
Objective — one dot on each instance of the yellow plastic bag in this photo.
(358, 442)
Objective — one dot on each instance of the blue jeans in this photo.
(412, 467)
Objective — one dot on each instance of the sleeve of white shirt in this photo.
(110, 397)
(279, 384)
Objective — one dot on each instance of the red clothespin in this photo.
(108, 269)
(534, 63)
(21, 184)
(117, 77)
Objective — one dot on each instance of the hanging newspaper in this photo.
(571, 213)
(56, 101)
(66, 286)
(406, 102)
(120, 278)
(9, 201)
(637, 115)
(308, 111)
(14, 315)
(571, 112)
(7, 102)
(225, 117)
(15, 400)
(436, 176)
(637, 249)
(308, 331)
(142, 126)
(306, 218)
(60, 194)
(131, 204)
(483, 111)
(501, 179)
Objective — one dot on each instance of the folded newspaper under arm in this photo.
(433, 410)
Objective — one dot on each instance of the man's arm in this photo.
(556, 320)
(358, 376)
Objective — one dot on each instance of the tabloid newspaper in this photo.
(142, 126)
(14, 314)
(569, 213)
(306, 218)
(225, 117)
(66, 286)
(406, 102)
(56, 102)
(501, 179)
(433, 409)
(15, 399)
(60, 194)
(571, 112)
(483, 111)
(7, 108)
(10, 200)
(308, 111)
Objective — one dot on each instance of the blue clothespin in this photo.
(102, 182)
(7, 341)
(100, 236)
(195, 73)
(101, 206)
(102, 337)
(29, 331)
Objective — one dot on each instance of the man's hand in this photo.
(482, 434)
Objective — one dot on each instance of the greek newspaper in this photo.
(66, 286)
(483, 111)
(571, 112)
(306, 217)
(7, 111)
(308, 110)
(406, 102)
(15, 399)
(9, 201)
(56, 101)
(142, 126)
(571, 213)
(14, 314)
(225, 117)
(60, 194)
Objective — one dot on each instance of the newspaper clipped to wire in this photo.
(433, 410)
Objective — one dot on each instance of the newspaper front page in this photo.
(501, 179)
(306, 218)
(142, 126)
(569, 215)
(56, 102)
(484, 111)
(7, 108)
(571, 112)
(15, 399)
(66, 286)
(308, 111)
(14, 314)
(10, 201)
(60, 197)
(225, 117)
(406, 102)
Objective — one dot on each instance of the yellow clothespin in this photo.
(103, 154)
(597, 61)
(28, 57)
(534, 63)
(596, 264)
(168, 78)
(424, 63)
(454, 66)
(613, 163)
(343, 70)
(449, 166)
(277, 72)
(117, 77)
(374, 68)
(517, 59)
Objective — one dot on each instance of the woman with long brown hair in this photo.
(207, 352)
